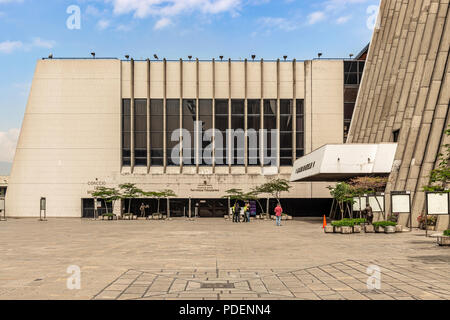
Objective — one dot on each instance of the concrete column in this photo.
(228, 139)
(294, 111)
(165, 114)
(197, 101)
(278, 115)
(181, 115)
(214, 115)
(148, 118)
(132, 115)
(246, 117)
(261, 119)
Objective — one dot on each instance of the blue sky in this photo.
(31, 29)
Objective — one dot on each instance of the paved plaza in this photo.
(214, 259)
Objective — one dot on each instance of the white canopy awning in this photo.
(341, 161)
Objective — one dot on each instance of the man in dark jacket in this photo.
(236, 212)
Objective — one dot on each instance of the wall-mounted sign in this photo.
(2, 204)
(377, 203)
(359, 203)
(401, 203)
(96, 183)
(437, 203)
(205, 188)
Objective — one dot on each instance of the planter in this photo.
(443, 240)
(389, 229)
(357, 229)
(431, 228)
(346, 230)
(290, 218)
(379, 229)
(337, 229)
(369, 228)
(329, 229)
(398, 228)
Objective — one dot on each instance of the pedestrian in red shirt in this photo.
(278, 213)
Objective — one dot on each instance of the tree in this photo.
(108, 195)
(160, 195)
(274, 188)
(343, 194)
(239, 195)
(439, 177)
(129, 191)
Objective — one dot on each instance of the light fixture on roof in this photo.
(221, 58)
(190, 57)
(50, 56)
(93, 54)
(127, 56)
(351, 55)
(253, 57)
(285, 58)
(156, 57)
(319, 55)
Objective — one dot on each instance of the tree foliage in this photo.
(439, 177)
(109, 195)
(274, 188)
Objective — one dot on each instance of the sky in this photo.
(172, 29)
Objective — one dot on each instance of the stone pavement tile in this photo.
(353, 295)
(307, 296)
(136, 290)
(117, 287)
(129, 296)
(108, 295)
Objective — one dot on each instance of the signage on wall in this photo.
(96, 183)
(205, 187)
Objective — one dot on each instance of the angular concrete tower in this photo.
(404, 96)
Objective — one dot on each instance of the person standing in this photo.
(236, 212)
(142, 209)
(247, 212)
(278, 213)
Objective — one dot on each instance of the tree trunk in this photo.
(129, 205)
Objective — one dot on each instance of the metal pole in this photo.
(190, 208)
(168, 208)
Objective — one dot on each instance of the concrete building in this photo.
(103, 122)
(3, 186)
(404, 95)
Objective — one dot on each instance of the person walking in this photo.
(278, 213)
(142, 209)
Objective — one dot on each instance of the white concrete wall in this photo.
(71, 131)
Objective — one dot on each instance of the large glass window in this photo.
(238, 135)
(172, 125)
(140, 132)
(300, 134)
(253, 127)
(286, 118)
(205, 117)
(189, 121)
(270, 138)
(126, 132)
(221, 128)
(156, 132)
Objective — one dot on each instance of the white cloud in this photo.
(164, 10)
(162, 23)
(8, 142)
(278, 23)
(10, 46)
(343, 19)
(103, 24)
(315, 17)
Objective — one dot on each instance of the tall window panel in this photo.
(253, 126)
(172, 124)
(205, 117)
(270, 123)
(300, 128)
(189, 120)
(140, 132)
(221, 127)
(156, 133)
(238, 126)
(286, 138)
(126, 132)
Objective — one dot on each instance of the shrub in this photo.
(447, 233)
(384, 224)
(347, 222)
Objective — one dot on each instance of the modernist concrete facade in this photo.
(404, 96)
(72, 133)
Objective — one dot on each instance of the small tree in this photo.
(160, 195)
(129, 191)
(239, 195)
(274, 188)
(343, 194)
(108, 195)
(439, 177)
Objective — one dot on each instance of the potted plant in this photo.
(385, 226)
(337, 226)
(444, 240)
